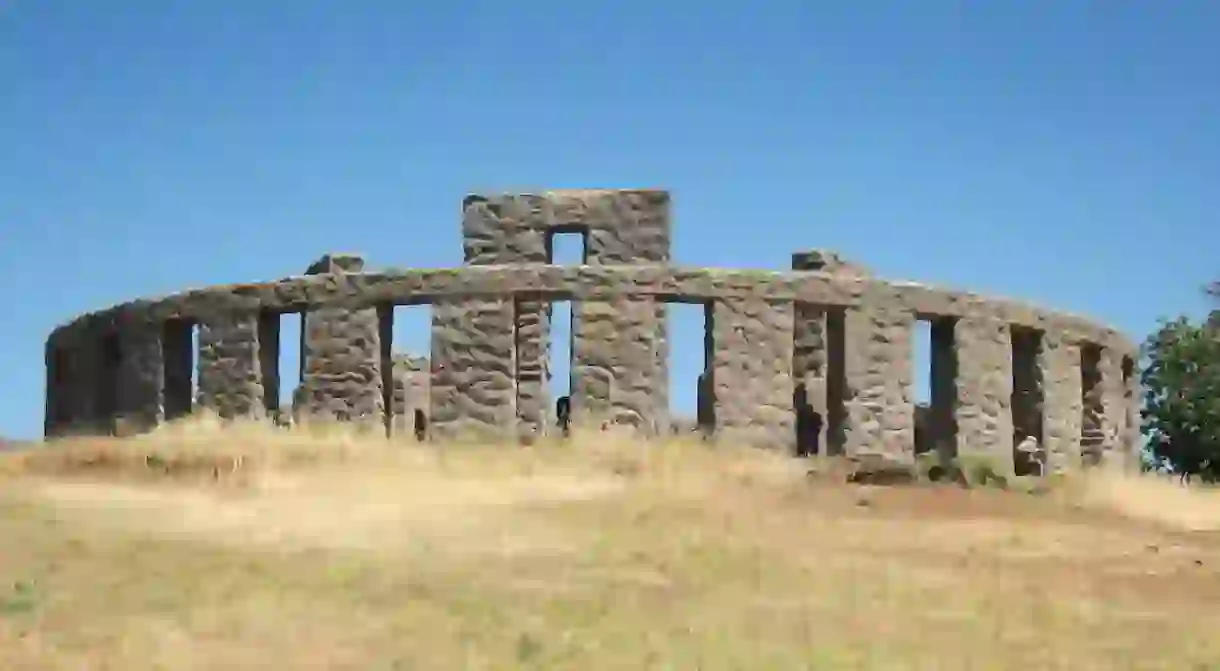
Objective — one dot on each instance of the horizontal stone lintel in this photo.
(666, 283)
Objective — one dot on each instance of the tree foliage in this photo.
(1181, 381)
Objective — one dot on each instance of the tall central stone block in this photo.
(751, 372)
(618, 227)
(230, 366)
(141, 374)
(341, 355)
(877, 363)
(983, 410)
(615, 372)
(473, 389)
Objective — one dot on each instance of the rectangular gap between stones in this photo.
(565, 248)
(921, 383)
(689, 394)
(559, 356)
(1027, 402)
(406, 350)
(939, 430)
(179, 351)
(837, 390)
(290, 365)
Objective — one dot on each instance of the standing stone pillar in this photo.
(984, 390)
(141, 374)
(1059, 368)
(877, 367)
(230, 368)
(504, 229)
(1113, 394)
(533, 322)
(752, 372)
(473, 392)
(615, 373)
(341, 356)
(70, 367)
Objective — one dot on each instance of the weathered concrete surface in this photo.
(74, 379)
(1059, 367)
(845, 334)
(984, 390)
(533, 320)
(621, 227)
(752, 372)
(473, 394)
(878, 398)
(140, 376)
(341, 355)
(1113, 392)
(230, 368)
(614, 361)
(1093, 437)
(591, 282)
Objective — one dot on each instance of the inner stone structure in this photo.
(816, 359)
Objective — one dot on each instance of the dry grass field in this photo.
(260, 549)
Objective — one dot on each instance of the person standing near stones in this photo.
(563, 414)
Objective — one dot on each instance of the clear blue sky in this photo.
(1065, 152)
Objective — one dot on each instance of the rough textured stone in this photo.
(620, 226)
(1093, 407)
(1059, 367)
(140, 377)
(230, 369)
(984, 390)
(614, 362)
(473, 393)
(1113, 393)
(752, 372)
(341, 356)
(846, 336)
(877, 361)
(533, 322)
(74, 376)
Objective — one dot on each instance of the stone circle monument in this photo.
(825, 339)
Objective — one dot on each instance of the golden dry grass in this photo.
(194, 549)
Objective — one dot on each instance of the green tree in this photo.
(1181, 381)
